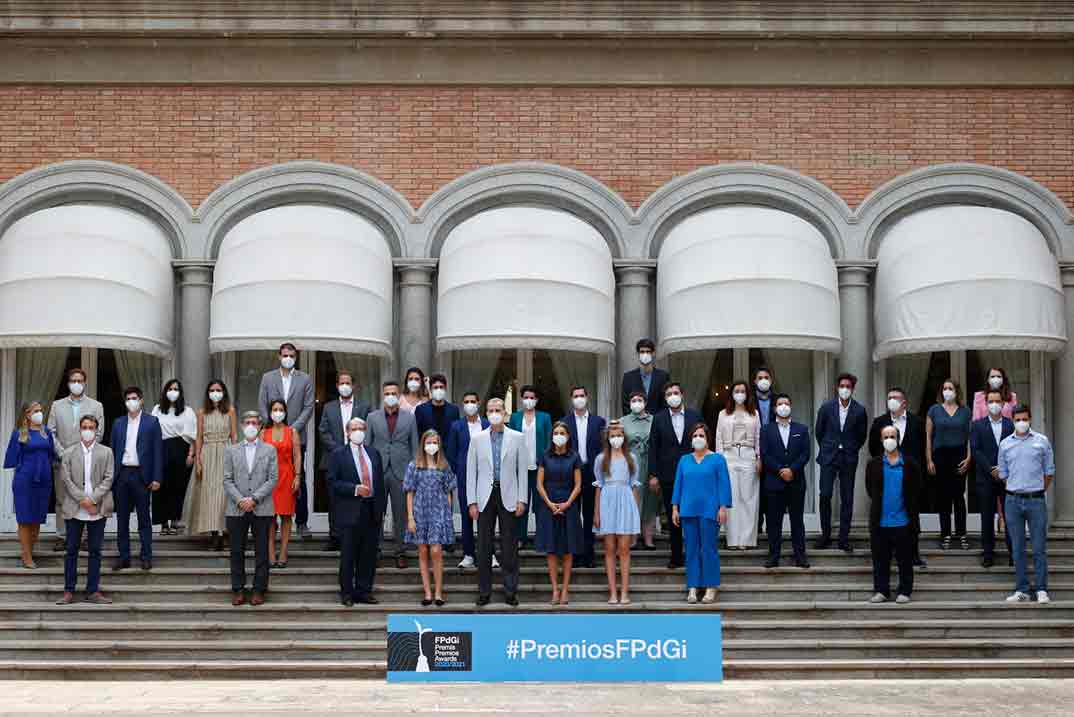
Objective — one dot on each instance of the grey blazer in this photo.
(514, 469)
(299, 402)
(61, 421)
(73, 474)
(258, 484)
(397, 450)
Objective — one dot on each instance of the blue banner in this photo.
(554, 648)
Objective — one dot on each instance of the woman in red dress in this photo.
(289, 457)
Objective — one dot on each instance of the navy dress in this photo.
(32, 485)
(559, 534)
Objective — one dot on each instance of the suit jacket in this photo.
(775, 457)
(426, 419)
(64, 427)
(239, 482)
(399, 448)
(544, 430)
(73, 474)
(514, 470)
(299, 402)
(840, 444)
(331, 428)
(911, 488)
(654, 400)
(912, 444)
(593, 441)
(665, 449)
(344, 479)
(457, 446)
(985, 449)
(150, 447)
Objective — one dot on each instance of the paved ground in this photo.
(952, 698)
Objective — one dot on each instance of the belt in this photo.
(1034, 494)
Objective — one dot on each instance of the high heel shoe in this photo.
(440, 602)
(426, 602)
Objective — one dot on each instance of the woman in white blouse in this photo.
(179, 428)
(738, 432)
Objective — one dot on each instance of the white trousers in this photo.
(745, 497)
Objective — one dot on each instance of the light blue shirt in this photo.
(76, 407)
(764, 409)
(646, 380)
(1024, 461)
(496, 439)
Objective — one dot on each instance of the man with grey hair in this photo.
(250, 475)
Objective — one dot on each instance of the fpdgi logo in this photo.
(429, 651)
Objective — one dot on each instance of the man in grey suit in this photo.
(250, 474)
(497, 482)
(295, 389)
(63, 421)
(332, 430)
(394, 435)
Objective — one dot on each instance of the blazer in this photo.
(150, 447)
(775, 457)
(665, 449)
(239, 482)
(399, 448)
(73, 475)
(654, 400)
(840, 444)
(457, 446)
(331, 428)
(544, 430)
(912, 444)
(514, 470)
(594, 441)
(343, 479)
(911, 488)
(64, 427)
(299, 402)
(426, 419)
(984, 447)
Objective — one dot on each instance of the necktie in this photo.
(365, 470)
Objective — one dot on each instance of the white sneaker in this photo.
(902, 599)
(878, 598)
(467, 562)
(710, 596)
(1042, 597)
(495, 562)
(691, 597)
(1018, 597)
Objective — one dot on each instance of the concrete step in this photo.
(870, 647)
(207, 632)
(189, 669)
(901, 668)
(117, 650)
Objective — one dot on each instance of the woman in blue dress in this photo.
(616, 515)
(428, 484)
(699, 502)
(30, 453)
(559, 523)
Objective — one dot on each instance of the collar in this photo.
(899, 418)
(72, 399)
(134, 418)
(675, 411)
(840, 402)
(251, 444)
(783, 421)
(896, 464)
(1029, 434)
(286, 373)
(584, 416)
(346, 400)
(89, 448)
(998, 420)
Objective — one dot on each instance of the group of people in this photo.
(583, 477)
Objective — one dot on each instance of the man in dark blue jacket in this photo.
(436, 413)
(985, 436)
(457, 445)
(785, 451)
(590, 429)
(139, 453)
(646, 378)
(841, 430)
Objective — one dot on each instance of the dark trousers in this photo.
(987, 492)
(843, 471)
(899, 541)
(302, 505)
(358, 544)
(238, 527)
(589, 494)
(762, 509)
(131, 493)
(494, 513)
(466, 523)
(674, 532)
(95, 530)
(523, 520)
(950, 489)
(790, 500)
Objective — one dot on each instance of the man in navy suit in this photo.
(646, 378)
(457, 446)
(138, 449)
(785, 451)
(586, 439)
(985, 436)
(764, 394)
(841, 430)
(436, 413)
(359, 501)
(669, 440)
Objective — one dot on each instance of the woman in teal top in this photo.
(947, 449)
(637, 425)
(699, 502)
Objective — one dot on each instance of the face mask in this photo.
(699, 443)
(645, 358)
(345, 390)
(439, 394)
(172, 395)
(674, 400)
(616, 441)
(560, 440)
(894, 404)
(579, 402)
(637, 406)
(391, 401)
(288, 362)
(948, 395)
(996, 382)
(740, 398)
(529, 403)
(995, 408)
(470, 408)
(432, 448)
(844, 393)
(413, 386)
(88, 435)
(250, 431)
(278, 416)
(763, 385)
(37, 417)
(216, 396)
(357, 437)
(1021, 427)
(890, 444)
(783, 410)
(495, 418)
(76, 388)
(132, 404)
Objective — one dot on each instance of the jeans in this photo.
(1020, 511)
(131, 493)
(884, 542)
(701, 537)
(95, 530)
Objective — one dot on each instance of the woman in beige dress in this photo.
(205, 499)
(738, 431)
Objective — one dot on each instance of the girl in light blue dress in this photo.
(616, 516)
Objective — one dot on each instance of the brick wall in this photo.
(633, 139)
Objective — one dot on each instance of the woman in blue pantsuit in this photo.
(699, 502)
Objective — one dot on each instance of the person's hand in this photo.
(363, 491)
(86, 503)
(474, 512)
(963, 466)
(675, 515)
(722, 516)
(411, 526)
(189, 460)
(758, 467)
(92, 509)
(995, 472)
(154, 486)
(295, 485)
(786, 475)
(554, 507)
(520, 509)
(932, 468)
(654, 485)
(246, 505)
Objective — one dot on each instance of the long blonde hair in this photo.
(423, 459)
(24, 421)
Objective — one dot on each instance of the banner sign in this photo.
(450, 647)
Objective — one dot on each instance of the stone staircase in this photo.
(177, 622)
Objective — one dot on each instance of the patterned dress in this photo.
(203, 509)
(432, 489)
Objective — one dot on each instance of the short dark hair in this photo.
(475, 394)
(579, 388)
(638, 394)
(765, 369)
(287, 345)
(645, 343)
(897, 389)
(672, 384)
(847, 377)
(77, 370)
(344, 372)
(133, 389)
(1022, 408)
(89, 417)
(775, 399)
(389, 382)
(997, 391)
(438, 378)
(522, 391)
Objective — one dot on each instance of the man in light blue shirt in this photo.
(1027, 467)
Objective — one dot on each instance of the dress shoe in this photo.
(330, 546)
(847, 548)
(347, 601)
(674, 564)
(147, 565)
(238, 598)
(257, 599)
(67, 599)
(366, 600)
(511, 599)
(401, 562)
(801, 562)
(98, 598)
(772, 563)
(987, 562)
(919, 562)
(59, 545)
(305, 533)
(120, 565)
(482, 600)
(426, 602)
(823, 543)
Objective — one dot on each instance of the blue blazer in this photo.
(593, 441)
(544, 430)
(457, 445)
(984, 447)
(343, 478)
(150, 447)
(840, 445)
(774, 457)
(423, 416)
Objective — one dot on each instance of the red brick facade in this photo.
(633, 139)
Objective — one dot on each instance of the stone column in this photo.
(856, 356)
(1062, 418)
(633, 315)
(416, 332)
(196, 288)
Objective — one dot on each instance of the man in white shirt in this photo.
(138, 447)
(333, 434)
(785, 452)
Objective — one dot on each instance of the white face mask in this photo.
(495, 417)
(88, 435)
(357, 437)
(560, 440)
(469, 408)
(579, 402)
(645, 358)
(172, 395)
(216, 396)
(894, 404)
(740, 398)
(250, 431)
(699, 443)
(439, 394)
(278, 416)
(844, 393)
(637, 406)
(783, 410)
(432, 448)
(674, 400)
(391, 401)
(133, 404)
(763, 385)
(615, 441)
(76, 388)
(890, 445)
(529, 403)
(995, 382)
(948, 395)
(1021, 427)
(37, 417)
(288, 362)
(995, 408)
(345, 390)
(413, 385)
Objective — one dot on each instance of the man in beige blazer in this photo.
(86, 471)
(63, 421)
